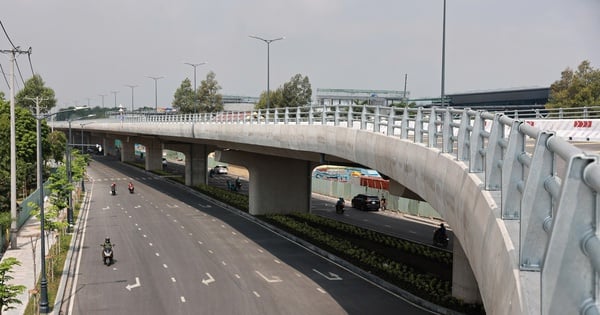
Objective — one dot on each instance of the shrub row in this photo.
(379, 238)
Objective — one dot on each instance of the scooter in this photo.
(107, 255)
(439, 239)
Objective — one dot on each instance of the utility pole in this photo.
(404, 94)
(102, 95)
(195, 93)
(13, 146)
(155, 93)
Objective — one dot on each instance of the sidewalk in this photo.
(28, 240)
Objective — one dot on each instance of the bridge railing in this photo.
(547, 184)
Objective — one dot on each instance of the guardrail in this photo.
(551, 189)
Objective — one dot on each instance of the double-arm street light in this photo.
(155, 92)
(443, 51)
(115, 93)
(268, 42)
(69, 144)
(132, 87)
(43, 304)
(195, 65)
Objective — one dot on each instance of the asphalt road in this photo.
(177, 253)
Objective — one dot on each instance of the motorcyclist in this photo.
(441, 234)
(107, 244)
(339, 205)
(130, 187)
(113, 188)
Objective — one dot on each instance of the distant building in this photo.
(239, 103)
(352, 96)
(494, 100)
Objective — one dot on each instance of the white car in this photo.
(220, 169)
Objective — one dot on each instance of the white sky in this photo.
(86, 48)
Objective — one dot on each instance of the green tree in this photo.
(209, 98)
(34, 87)
(183, 100)
(576, 89)
(9, 292)
(58, 144)
(297, 91)
(275, 99)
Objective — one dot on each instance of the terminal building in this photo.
(360, 97)
(500, 100)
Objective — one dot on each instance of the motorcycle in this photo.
(440, 238)
(339, 207)
(113, 189)
(107, 255)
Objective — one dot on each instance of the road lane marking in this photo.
(157, 254)
(145, 236)
(210, 251)
(182, 298)
(272, 280)
(224, 263)
(209, 280)
(165, 266)
(223, 225)
(232, 232)
(321, 290)
(237, 276)
(256, 293)
(150, 244)
(200, 242)
(190, 234)
(277, 261)
(173, 279)
(260, 250)
(332, 276)
(131, 286)
(183, 227)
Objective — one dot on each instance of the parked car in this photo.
(364, 202)
(221, 169)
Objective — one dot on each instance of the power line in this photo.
(5, 33)
(20, 74)
(30, 64)
(4, 75)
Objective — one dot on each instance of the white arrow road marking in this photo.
(131, 286)
(106, 208)
(209, 280)
(275, 278)
(204, 206)
(332, 276)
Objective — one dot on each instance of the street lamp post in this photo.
(195, 65)
(155, 92)
(132, 87)
(43, 304)
(115, 93)
(268, 42)
(443, 52)
(102, 95)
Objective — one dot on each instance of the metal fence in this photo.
(552, 188)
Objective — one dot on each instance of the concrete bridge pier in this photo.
(153, 156)
(128, 149)
(196, 161)
(277, 184)
(464, 284)
(108, 146)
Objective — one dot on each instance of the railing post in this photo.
(286, 116)
(276, 116)
(404, 124)
(493, 157)
(464, 132)
(310, 115)
(513, 174)
(391, 121)
(336, 116)
(298, 113)
(350, 114)
(324, 115)
(419, 126)
(376, 120)
(536, 205)
(570, 272)
(476, 146)
(363, 118)
(431, 128)
(447, 131)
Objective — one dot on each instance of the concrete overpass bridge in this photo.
(522, 201)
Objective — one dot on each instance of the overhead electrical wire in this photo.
(8, 37)
(4, 75)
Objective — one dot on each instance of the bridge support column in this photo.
(464, 285)
(153, 156)
(127, 150)
(108, 146)
(196, 162)
(277, 185)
